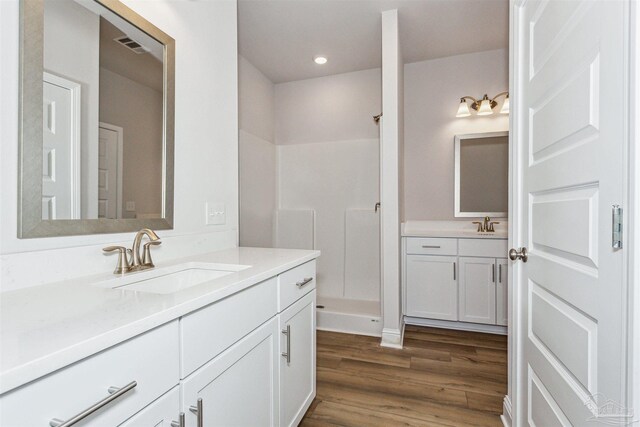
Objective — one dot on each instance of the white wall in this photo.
(432, 93)
(257, 156)
(206, 146)
(328, 160)
(66, 25)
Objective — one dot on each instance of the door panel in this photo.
(570, 78)
(432, 289)
(239, 387)
(108, 174)
(477, 290)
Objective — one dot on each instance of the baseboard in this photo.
(392, 338)
(506, 418)
(348, 323)
(460, 326)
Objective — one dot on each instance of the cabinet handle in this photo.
(199, 412)
(493, 273)
(500, 273)
(115, 392)
(454, 271)
(180, 422)
(287, 354)
(431, 246)
(303, 282)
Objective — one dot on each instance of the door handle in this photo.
(287, 354)
(377, 207)
(520, 253)
(199, 412)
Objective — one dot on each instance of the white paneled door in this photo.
(569, 70)
(60, 148)
(108, 172)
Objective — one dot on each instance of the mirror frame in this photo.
(30, 222)
(457, 140)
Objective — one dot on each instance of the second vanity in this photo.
(454, 276)
(233, 350)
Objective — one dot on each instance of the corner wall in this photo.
(206, 158)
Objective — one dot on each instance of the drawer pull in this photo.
(430, 246)
(115, 392)
(303, 282)
(180, 422)
(287, 354)
(199, 412)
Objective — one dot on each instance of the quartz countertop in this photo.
(45, 328)
(454, 229)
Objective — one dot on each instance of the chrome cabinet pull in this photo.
(303, 282)
(493, 273)
(287, 354)
(454, 271)
(115, 392)
(430, 247)
(500, 273)
(199, 412)
(180, 422)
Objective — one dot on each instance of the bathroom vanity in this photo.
(238, 349)
(454, 276)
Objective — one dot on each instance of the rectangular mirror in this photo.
(97, 118)
(482, 175)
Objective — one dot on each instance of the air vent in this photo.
(131, 45)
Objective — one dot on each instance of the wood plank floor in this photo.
(440, 378)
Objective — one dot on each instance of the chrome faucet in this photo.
(486, 226)
(129, 260)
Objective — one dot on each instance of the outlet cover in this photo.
(130, 206)
(215, 214)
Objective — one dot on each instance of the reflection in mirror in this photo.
(481, 174)
(96, 119)
(103, 115)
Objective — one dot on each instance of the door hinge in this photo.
(616, 219)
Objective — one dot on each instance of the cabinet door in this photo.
(477, 290)
(240, 386)
(502, 292)
(160, 413)
(297, 359)
(432, 291)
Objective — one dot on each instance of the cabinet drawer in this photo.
(214, 328)
(295, 283)
(151, 360)
(431, 246)
(494, 248)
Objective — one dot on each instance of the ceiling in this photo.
(281, 37)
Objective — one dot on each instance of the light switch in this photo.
(215, 214)
(130, 206)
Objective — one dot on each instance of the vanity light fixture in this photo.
(484, 106)
(320, 60)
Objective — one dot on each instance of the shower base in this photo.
(350, 316)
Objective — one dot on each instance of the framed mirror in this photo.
(96, 120)
(482, 175)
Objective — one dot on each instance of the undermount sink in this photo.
(168, 280)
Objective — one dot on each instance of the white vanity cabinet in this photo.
(225, 364)
(297, 302)
(149, 362)
(455, 282)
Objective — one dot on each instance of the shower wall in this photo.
(328, 161)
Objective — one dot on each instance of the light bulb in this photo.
(320, 60)
(505, 106)
(485, 107)
(463, 109)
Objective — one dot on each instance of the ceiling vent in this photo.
(131, 44)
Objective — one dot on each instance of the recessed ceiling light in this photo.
(320, 60)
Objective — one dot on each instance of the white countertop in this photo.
(455, 229)
(45, 328)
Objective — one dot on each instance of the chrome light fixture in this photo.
(484, 106)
